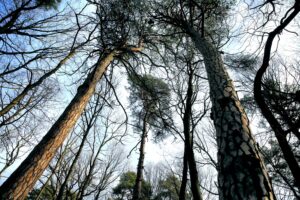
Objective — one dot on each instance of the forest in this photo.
(149, 99)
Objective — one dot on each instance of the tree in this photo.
(241, 173)
(189, 103)
(279, 170)
(151, 94)
(260, 99)
(48, 194)
(24, 177)
(124, 190)
(168, 188)
(33, 48)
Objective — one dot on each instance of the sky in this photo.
(170, 148)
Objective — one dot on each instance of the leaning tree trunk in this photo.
(195, 185)
(265, 110)
(32, 86)
(137, 192)
(25, 176)
(242, 173)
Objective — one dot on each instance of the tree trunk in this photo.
(25, 176)
(32, 86)
(52, 173)
(89, 176)
(184, 176)
(242, 173)
(267, 113)
(137, 192)
(195, 185)
(63, 186)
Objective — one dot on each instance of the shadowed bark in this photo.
(242, 174)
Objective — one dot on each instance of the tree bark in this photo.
(25, 176)
(52, 173)
(242, 173)
(137, 192)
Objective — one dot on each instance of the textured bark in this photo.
(137, 193)
(195, 185)
(52, 173)
(25, 176)
(242, 173)
(265, 110)
(182, 192)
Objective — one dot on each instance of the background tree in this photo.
(151, 94)
(125, 188)
(168, 188)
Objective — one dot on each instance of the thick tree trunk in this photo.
(61, 156)
(195, 185)
(184, 176)
(242, 173)
(25, 176)
(137, 193)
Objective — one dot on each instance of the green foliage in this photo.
(243, 62)
(124, 189)
(149, 96)
(47, 194)
(282, 100)
(168, 188)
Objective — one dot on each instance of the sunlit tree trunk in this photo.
(25, 176)
(242, 173)
(137, 193)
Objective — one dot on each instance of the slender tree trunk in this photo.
(195, 185)
(88, 178)
(63, 186)
(184, 176)
(137, 192)
(32, 86)
(267, 113)
(25, 176)
(242, 173)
